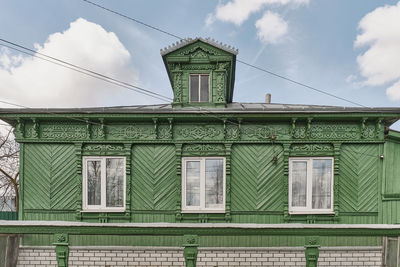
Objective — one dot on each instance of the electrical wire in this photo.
(238, 60)
(85, 71)
(102, 77)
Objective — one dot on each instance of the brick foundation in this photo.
(161, 256)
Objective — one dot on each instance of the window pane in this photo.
(193, 183)
(321, 183)
(299, 183)
(194, 88)
(94, 182)
(204, 91)
(114, 182)
(214, 183)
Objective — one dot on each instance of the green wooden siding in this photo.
(359, 166)
(257, 180)
(392, 167)
(8, 215)
(204, 240)
(153, 177)
(49, 177)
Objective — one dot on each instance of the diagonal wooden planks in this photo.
(49, 176)
(256, 179)
(63, 177)
(359, 178)
(37, 176)
(153, 177)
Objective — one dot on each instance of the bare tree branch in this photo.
(9, 171)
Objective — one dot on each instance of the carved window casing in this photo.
(311, 185)
(104, 184)
(203, 184)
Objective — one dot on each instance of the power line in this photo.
(85, 71)
(100, 76)
(238, 60)
(135, 20)
(299, 83)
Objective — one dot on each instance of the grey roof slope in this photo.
(235, 107)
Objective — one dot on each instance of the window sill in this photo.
(203, 211)
(102, 210)
(329, 212)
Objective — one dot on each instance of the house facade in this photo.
(207, 181)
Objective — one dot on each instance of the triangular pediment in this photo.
(188, 45)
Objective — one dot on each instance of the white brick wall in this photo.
(153, 256)
(355, 258)
(250, 257)
(37, 257)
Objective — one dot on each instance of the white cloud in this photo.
(33, 82)
(394, 91)
(380, 64)
(238, 11)
(271, 28)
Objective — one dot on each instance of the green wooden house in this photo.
(207, 181)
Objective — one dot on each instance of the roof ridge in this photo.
(209, 40)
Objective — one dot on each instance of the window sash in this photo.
(214, 208)
(196, 84)
(308, 207)
(103, 180)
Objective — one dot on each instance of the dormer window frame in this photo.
(199, 74)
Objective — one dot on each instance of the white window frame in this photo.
(201, 208)
(199, 87)
(102, 207)
(308, 209)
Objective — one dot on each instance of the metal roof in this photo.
(184, 42)
(231, 108)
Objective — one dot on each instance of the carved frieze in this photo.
(131, 132)
(368, 132)
(198, 67)
(64, 131)
(196, 48)
(203, 147)
(199, 132)
(103, 147)
(300, 132)
(334, 131)
(97, 131)
(232, 132)
(199, 53)
(164, 132)
(220, 86)
(264, 132)
(311, 147)
(178, 86)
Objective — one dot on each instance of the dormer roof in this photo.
(187, 41)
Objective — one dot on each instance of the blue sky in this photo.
(310, 41)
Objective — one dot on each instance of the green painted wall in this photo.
(391, 179)
(258, 194)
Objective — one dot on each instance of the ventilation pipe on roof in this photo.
(268, 98)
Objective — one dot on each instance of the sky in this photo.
(350, 49)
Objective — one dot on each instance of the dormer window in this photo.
(199, 88)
